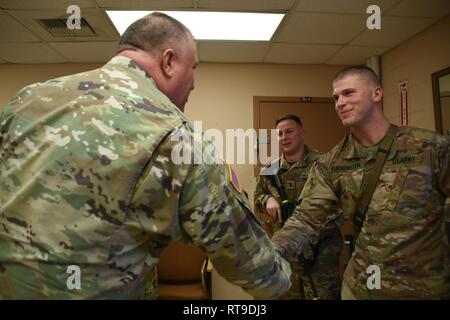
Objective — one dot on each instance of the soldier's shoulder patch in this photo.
(233, 179)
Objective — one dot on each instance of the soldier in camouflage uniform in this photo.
(322, 265)
(88, 180)
(403, 233)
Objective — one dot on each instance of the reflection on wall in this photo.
(445, 110)
(444, 94)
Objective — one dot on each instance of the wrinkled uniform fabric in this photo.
(87, 179)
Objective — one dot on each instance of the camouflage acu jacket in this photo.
(292, 177)
(87, 180)
(404, 230)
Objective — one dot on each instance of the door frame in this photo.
(437, 99)
(281, 99)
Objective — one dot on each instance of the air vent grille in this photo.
(58, 28)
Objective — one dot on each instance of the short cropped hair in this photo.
(361, 71)
(153, 34)
(289, 117)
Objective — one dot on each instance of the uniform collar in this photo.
(354, 150)
(131, 66)
(136, 71)
(303, 162)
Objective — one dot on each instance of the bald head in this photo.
(154, 33)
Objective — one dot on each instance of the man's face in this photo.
(290, 136)
(355, 99)
(183, 79)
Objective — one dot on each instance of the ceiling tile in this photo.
(300, 53)
(145, 4)
(96, 18)
(86, 51)
(11, 30)
(393, 31)
(315, 32)
(321, 28)
(239, 5)
(421, 8)
(343, 6)
(29, 53)
(231, 51)
(355, 55)
(45, 4)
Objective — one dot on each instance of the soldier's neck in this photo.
(372, 132)
(295, 156)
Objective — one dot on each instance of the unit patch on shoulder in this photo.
(233, 179)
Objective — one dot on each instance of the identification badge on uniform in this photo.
(233, 179)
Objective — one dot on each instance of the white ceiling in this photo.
(313, 31)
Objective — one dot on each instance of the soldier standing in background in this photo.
(88, 180)
(402, 243)
(316, 275)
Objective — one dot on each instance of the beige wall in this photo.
(415, 61)
(14, 77)
(445, 109)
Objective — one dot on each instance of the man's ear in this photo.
(167, 59)
(377, 94)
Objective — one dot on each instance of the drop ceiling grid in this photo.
(324, 31)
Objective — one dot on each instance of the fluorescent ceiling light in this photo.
(212, 25)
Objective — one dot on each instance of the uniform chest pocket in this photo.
(416, 191)
(405, 190)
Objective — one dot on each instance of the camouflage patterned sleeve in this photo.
(199, 205)
(303, 227)
(261, 195)
(215, 216)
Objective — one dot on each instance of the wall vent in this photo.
(58, 28)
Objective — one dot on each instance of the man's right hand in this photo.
(273, 209)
